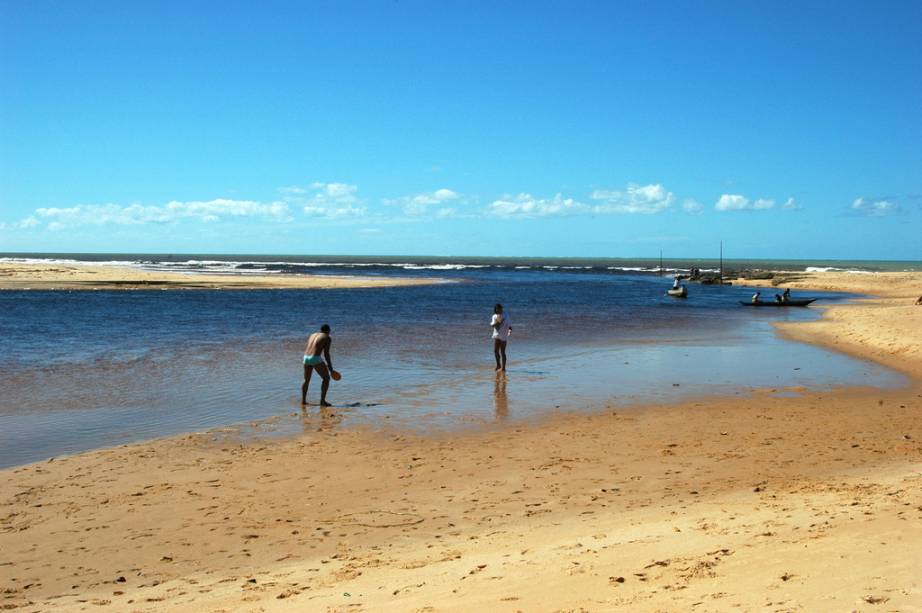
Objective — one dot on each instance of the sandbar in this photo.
(41, 276)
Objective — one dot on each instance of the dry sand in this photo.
(812, 503)
(90, 277)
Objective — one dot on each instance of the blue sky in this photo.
(463, 128)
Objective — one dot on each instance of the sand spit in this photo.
(93, 277)
(757, 502)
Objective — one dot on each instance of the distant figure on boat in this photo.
(677, 290)
(786, 296)
(756, 298)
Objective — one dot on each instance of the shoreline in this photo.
(722, 503)
(882, 330)
(89, 277)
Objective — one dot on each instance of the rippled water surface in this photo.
(81, 370)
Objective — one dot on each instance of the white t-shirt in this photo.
(502, 331)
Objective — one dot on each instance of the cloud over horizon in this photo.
(341, 201)
(526, 205)
(874, 207)
(736, 202)
(421, 204)
(57, 218)
(642, 199)
(635, 199)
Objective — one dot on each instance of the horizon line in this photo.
(655, 257)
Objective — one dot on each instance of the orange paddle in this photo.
(336, 376)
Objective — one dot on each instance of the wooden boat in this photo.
(775, 303)
(679, 292)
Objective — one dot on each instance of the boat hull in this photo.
(789, 303)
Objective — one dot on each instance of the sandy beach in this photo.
(95, 277)
(806, 501)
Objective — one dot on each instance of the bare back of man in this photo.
(318, 349)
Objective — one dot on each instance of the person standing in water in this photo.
(318, 343)
(501, 332)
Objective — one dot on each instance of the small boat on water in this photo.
(678, 292)
(775, 303)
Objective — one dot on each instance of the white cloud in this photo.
(326, 200)
(736, 202)
(791, 205)
(319, 200)
(58, 218)
(731, 202)
(334, 212)
(420, 204)
(339, 191)
(333, 193)
(876, 208)
(644, 199)
(441, 195)
(692, 207)
(526, 205)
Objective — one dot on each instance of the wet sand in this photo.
(97, 277)
(808, 502)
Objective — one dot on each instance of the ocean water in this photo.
(423, 266)
(86, 369)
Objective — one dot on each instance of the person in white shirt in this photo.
(501, 332)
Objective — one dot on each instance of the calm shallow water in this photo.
(81, 370)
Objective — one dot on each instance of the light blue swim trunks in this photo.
(312, 360)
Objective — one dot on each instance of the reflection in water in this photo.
(500, 400)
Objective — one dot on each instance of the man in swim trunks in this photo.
(317, 343)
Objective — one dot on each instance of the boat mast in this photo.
(721, 262)
(661, 262)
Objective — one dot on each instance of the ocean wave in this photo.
(14, 260)
(853, 271)
(437, 266)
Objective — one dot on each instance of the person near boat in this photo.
(785, 297)
(756, 298)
